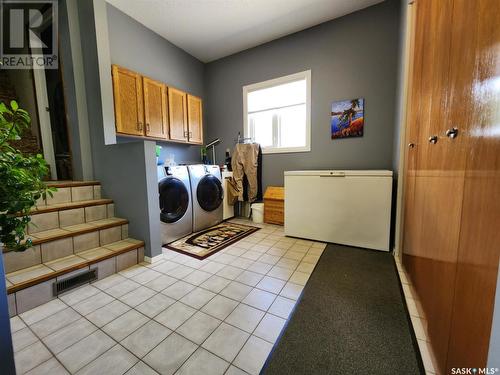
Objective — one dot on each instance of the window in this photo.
(277, 113)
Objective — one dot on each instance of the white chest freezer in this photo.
(345, 207)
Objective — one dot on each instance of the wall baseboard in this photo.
(154, 259)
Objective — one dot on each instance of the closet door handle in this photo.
(452, 133)
(433, 139)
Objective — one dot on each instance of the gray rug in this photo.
(351, 319)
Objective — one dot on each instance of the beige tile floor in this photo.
(179, 315)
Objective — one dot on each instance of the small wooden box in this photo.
(274, 205)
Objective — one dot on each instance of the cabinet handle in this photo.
(147, 127)
(185, 134)
(140, 126)
(452, 133)
(411, 145)
(433, 139)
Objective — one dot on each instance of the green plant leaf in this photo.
(21, 179)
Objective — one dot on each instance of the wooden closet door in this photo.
(437, 189)
(477, 70)
(128, 100)
(177, 115)
(440, 182)
(155, 108)
(453, 263)
(195, 119)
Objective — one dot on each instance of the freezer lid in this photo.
(371, 173)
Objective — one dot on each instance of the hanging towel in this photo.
(245, 163)
(232, 191)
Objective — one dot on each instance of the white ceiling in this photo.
(211, 29)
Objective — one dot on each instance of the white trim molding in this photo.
(154, 259)
(405, 77)
(104, 61)
(275, 82)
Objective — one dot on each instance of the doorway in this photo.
(41, 93)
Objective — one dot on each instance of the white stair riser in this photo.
(64, 218)
(41, 293)
(71, 194)
(51, 250)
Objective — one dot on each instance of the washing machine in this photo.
(176, 208)
(208, 194)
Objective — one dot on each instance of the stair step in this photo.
(75, 230)
(69, 206)
(27, 277)
(60, 242)
(71, 191)
(45, 221)
(68, 183)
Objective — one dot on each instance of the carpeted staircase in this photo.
(76, 238)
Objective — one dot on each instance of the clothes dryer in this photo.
(207, 193)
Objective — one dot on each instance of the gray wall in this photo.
(339, 71)
(353, 56)
(136, 47)
(121, 168)
(127, 170)
(398, 119)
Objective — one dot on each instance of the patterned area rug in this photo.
(209, 241)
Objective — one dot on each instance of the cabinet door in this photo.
(195, 119)
(128, 99)
(177, 115)
(155, 108)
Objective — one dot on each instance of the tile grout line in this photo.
(221, 321)
(294, 269)
(43, 343)
(150, 319)
(98, 329)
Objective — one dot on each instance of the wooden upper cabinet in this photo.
(128, 99)
(195, 119)
(177, 115)
(155, 108)
(145, 107)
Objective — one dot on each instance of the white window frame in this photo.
(275, 82)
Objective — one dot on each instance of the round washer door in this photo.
(209, 193)
(174, 199)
